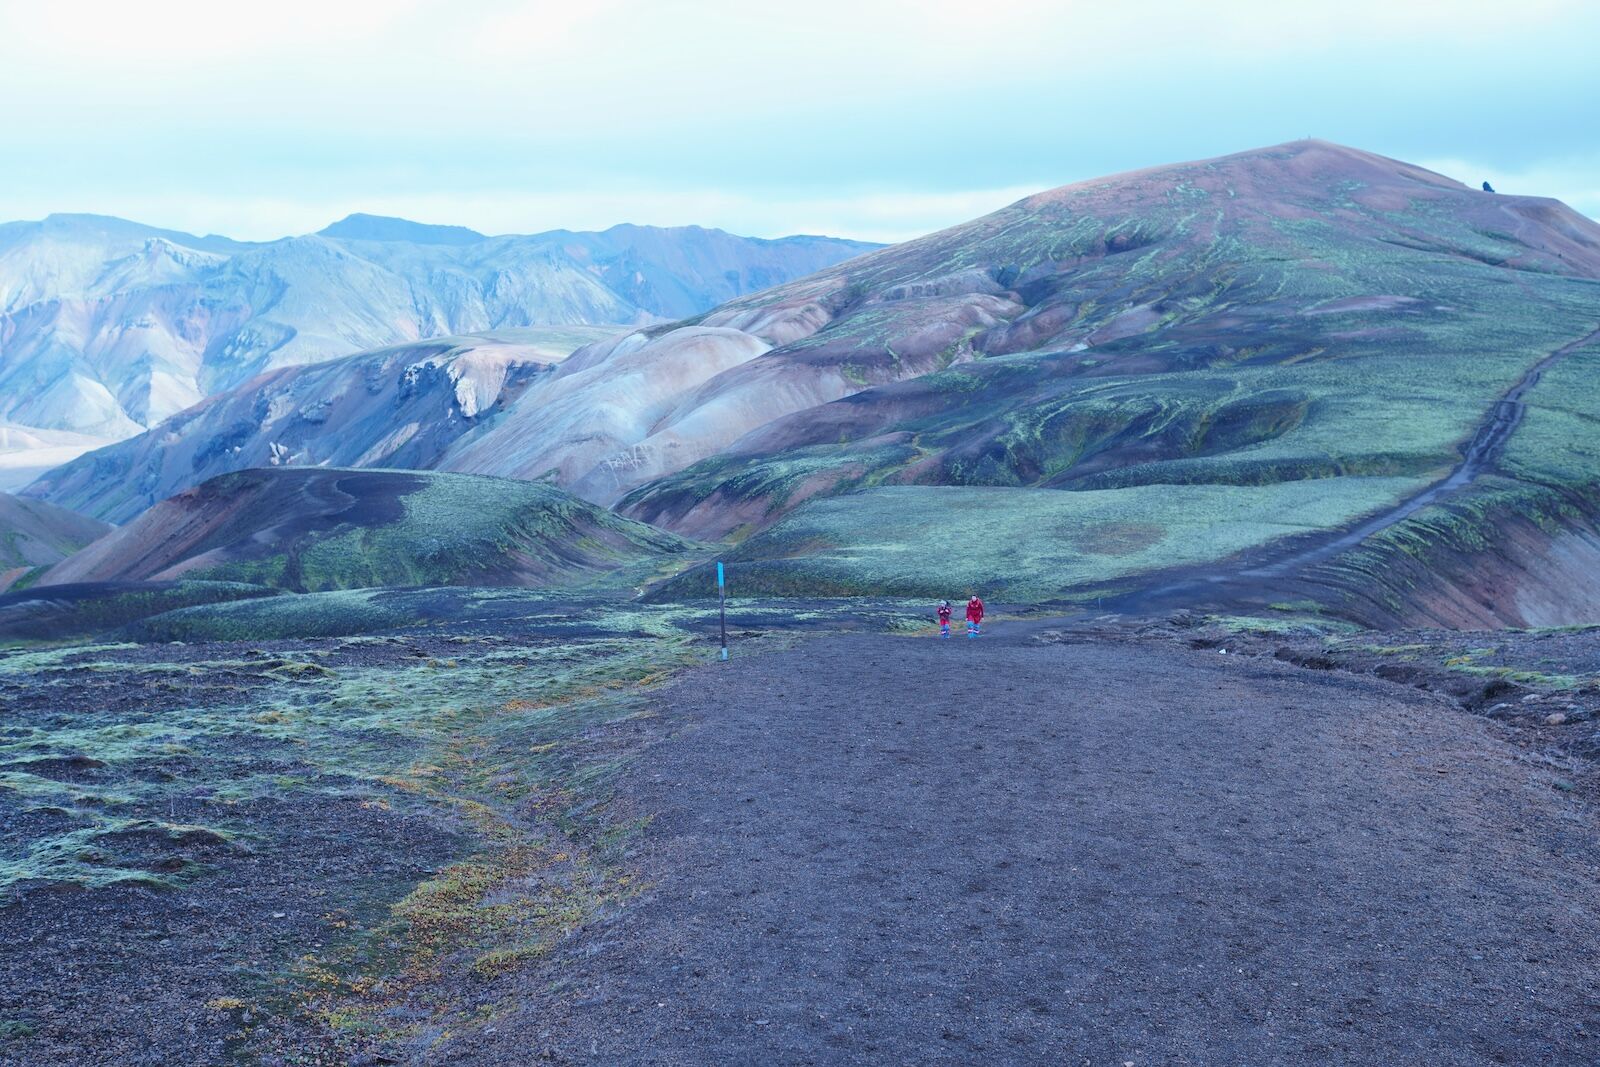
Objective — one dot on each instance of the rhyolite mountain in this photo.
(1156, 370)
(401, 406)
(1082, 336)
(108, 326)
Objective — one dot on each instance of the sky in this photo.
(875, 119)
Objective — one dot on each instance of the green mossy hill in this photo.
(321, 529)
(1025, 545)
(67, 612)
(1517, 548)
(1300, 312)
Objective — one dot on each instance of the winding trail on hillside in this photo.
(1480, 456)
(880, 850)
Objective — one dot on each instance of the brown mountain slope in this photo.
(313, 529)
(1302, 253)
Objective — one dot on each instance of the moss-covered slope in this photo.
(1301, 323)
(299, 529)
(34, 534)
(1301, 311)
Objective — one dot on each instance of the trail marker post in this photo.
(722, 607)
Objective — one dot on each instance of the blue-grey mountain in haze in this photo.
(364, 227)
(109, 326)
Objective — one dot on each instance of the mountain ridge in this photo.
(335, 528)
(108, 326)
(1302, 330)
(360, 226)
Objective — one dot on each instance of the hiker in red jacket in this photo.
(944, 619)
(974, 616)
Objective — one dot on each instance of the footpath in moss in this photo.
(163, 781)
(321, 848)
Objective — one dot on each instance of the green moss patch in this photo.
(1029, 545)
(68, 612)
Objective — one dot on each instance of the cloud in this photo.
(868, 117)
(91, 33)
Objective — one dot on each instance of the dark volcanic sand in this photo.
(901, 851)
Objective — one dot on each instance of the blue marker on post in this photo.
(722, 607)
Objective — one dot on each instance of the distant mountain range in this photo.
(109, 326)
(1207, 358)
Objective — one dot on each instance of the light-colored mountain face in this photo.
(315, 529)
(617, 412)
(395, 407)
(107, 327)
(26, 453)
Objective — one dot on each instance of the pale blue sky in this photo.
(866, 118)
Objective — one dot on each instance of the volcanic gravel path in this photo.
(905, 851)
(1197, 585)
(1481, 454)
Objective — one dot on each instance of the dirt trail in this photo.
(1480, 456)
(885, 850)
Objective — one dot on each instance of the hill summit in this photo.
(1174, 369)
(363, 227)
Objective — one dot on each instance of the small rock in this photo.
(280, 915)
(1557, 719)
(1532, 698)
